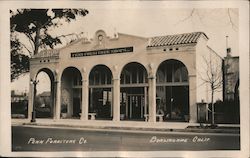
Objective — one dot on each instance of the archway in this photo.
(71, 93)
(100, 92)
(44, 94)
(172, 91)
(134, 92)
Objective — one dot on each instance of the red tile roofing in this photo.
(168, 40)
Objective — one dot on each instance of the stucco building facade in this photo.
(126, 77)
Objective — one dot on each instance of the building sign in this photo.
(102, 52)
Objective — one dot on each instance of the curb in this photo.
(138, 129)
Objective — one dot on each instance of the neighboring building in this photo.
(231, 106)
(128, 77)
(18, 96)
(19, 104)
(45, 99)
(231, 77)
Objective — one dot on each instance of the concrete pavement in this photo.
(129, 126)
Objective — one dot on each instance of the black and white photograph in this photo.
(125, 79)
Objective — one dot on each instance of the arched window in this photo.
(134, 89)
(100, 92)
(172, 90)
(172, 71)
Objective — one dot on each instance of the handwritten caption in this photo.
(195, 139)
(81, 140)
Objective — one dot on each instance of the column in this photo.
(31, 99)
(85, 100)
(152, 98)
(116, 99)
(58, 100)
(192, 99)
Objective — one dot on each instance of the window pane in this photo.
(75, 81)
(91, 80)
(184, 74)
(140, 73)
(103, 78)
(122, 78)
(160, 76)
(97, 76)
(177, 73)
(127, 78)
(169, 72)
(134, 75)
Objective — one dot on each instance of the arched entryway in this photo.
(134, 92)
(71, 93)
(44, 94)
(100, 92)
(172, 91)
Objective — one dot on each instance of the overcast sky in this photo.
(151, 20)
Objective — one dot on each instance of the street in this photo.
(26, 138)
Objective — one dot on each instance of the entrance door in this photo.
(135, 107)
(76, 107)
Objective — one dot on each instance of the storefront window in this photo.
(172, 98)
(132, 101)
(100, 92)
(100, 75)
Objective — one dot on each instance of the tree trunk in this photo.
(212, 104)
(37, 41)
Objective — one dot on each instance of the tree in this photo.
(19, 61)
(212, 77)
(35, 25)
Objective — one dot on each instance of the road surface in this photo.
(26, 138)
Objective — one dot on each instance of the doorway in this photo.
(135, 106)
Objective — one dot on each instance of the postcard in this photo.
(124, 79)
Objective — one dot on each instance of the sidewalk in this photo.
(129, 125)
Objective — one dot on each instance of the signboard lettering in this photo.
(102, 52)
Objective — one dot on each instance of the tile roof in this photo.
(185, 38)
(47, 53)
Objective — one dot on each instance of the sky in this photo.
(151, 20)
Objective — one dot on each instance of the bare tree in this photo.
(213, 77)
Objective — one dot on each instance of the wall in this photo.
(231, 69)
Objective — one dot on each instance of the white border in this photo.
(5, 130)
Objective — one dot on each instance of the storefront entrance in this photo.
(135, 106)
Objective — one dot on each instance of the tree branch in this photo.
(190, 15)
(30, 52)
(230, 20)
